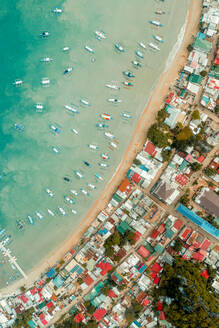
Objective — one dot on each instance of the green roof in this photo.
(159, 248)
(183, 165)
(31, 324)
(123, 227)
(202, 45)
(42, 305)
(169, 233)
(195, 78)
(149, 247)
(117, 198)
(73, 310)
(168, 223)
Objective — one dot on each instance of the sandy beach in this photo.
(148, 117)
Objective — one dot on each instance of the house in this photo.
(209, 200)
(202, 45)
(173, 117)
(165, 192)
(194, 83)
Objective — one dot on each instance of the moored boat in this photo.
(158, 38)
(20, 224)
(61, 210)
(57, 11)
(54, 128)
(136, 63)
(98, 177)
(126, 115)
(113, 145)
(101, 125)
(45, 81)
(87, 163)
(39, 215)
(55, 149)
(39, 107)
(84, 192)
(74, 211)
(75, 131)
(114, 100)
(85, 102)
(141, 44)
(106, 116)
(127, 84)
(46, 59)
(153, 46)
(91, 186)
(65, 49)
(89, 49)
(104, 156)
(30, 219)
(19, 126)
(128, 74)
(92, 146)
(103, 165)
(69, 200)
(50, 192)
(50, 212)
(18, 82)
(74, 192)
(68, 70)
(119, 47)
(109, 135)
(112, 86)
(139, 54)
(45, 34)
(100, 35)
(78, 174)
(72, 109)
(159, 12)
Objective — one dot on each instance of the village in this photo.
(166, 206)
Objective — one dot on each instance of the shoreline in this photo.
(158, 93)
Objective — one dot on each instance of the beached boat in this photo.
(112, 86)
(84, 192)
(61, 210)
(45, 34)
(68, 70)
(158, 38)
(128, 74)
(72, 109)
(75, 131)
(78, 174)
(92, 146)
(101, 125)
(69, 200)
(141, 44)
(74, 192)
(18, 82)
(159, 12)
(100, 35)
(153, 46)
(114, 100)
(136, 63)
(127, 84)
(85, 102)
(45, 81)
(109, 135)
(57, 11)
(103, 165)
(105, 156)
(139, 54)
(65, 49)
(19, 127)
(46, 59)
(156, 23)
(50, 212)
(20, 224)
(50, 192)
(98, 177)
(39, 215)
(119, 47)
(30, 219)
(91, 186)
(74, 211)
(89, 49)
(54, 128)
(55, 150)
(39, 107)
(126, 115)
(107, 117)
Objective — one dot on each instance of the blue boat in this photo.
(54, 128)
(30, 219)
(19, 127)
(102, 125)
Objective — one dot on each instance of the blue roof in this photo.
(137, 323)
(144, 168)
(198, 220)
(76, 267)
(201, 35)
(102, 231)
(51, 273)
(31, 324)
(58, 281)
(80, 270)
(142, 268)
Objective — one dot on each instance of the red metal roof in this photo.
(44, 322)
(145, 302)
(111, 293)
(206, 243)
(154, 234)
(198, 256)
(177, 225)
(156, 280)
(205, 274)
(99, 314)
(200, 159)
(136, 177)
(79, 317)
(159, 306)
(181, 179)
(105, 266)
(186, 233)
(88, 280)
(161, 228)
(137, 236)
(24, 298)
(50, 304)
(150, 149)
(162, 316)
(125, 186)
(154, 274)
(143, 251)
(156, 267)
(42, 316)
(188, 158)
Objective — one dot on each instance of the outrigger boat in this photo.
(44, 34)
(74, 131)
(72, 109)
(87, 164)
(89, 49)
(98, 177)
(62, 211)
(68, 70)
(100, 35)
(18, 82)
(126, 115)
(153, 46)
(113, 145)
(128, 74)
(54, 128)
(67, 179)
(136, 63)
(39, 107)
(107, 117)
(114, 100)
(50, 212)
(103, 164)
(65, 49)
(141, 44)
(112, 86)
(85, 102)
(30, 219)
(69, 200)
(45, 81)
(91, 186)
(104, 156)
(57, 11)
(55, 150)
(158, 38)
(39, 215)
(50, 192)
(119, 47)
(19, 127)
(46, 59)
(20, 224)
(109, 135)
(85, 192)
(156, 23)
(74, 192)
(102, 125)
(94, 147)
(127, 84)
(74, 211)
(139, 54)
(78, 174)
(159, 12)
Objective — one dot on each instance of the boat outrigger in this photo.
(128, 74)
(156, 23)
(78, 174)
(112, 86)
(72, 109)
(119, 47)
(107, 117)
(153, 46)
(89, 49)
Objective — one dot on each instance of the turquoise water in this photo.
(28, 165)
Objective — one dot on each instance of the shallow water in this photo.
(28, 165)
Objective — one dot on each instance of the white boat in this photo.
(18, 82)
(50, 192)
(45, 81)
(62, 211)
(113, 145)
(74, 192)
(103, 164)
(65, 49)
(156, 23)
(85, 192)
(85, 102)
(44, 34)
(100, 35)
(74, 131)
(107, 117)
(136, 63)
(112, 86)
(72, 109)
(69, 200)
(158, 38)
(55, 150)
(139, 54)
(46, 59)
(154, 46)
(94, 147)
(98, 177)
(109, 135)
(78, 174)
(74, 211)
(141, 44)
(57, 11)
(68, 70)
(89, 49)
(126, 115)
(50, 212)
(101, 125)
(104, 156)
(54, 128)
(39, 106)
(30, 219)
(114, 100)
(91, 186)
(119, 47)
(39, 215)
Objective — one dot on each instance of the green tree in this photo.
(130, 236)
(162, 115)
(137, 162)
(130, 315)
(158, 137)
(166, 155)
(196, 166)
(189, 47)
(195, 115)
(105, 290)
(209, 171)
(203, 73)
(90, 308)
(185, 134)
(178, 245)
(185, 199)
